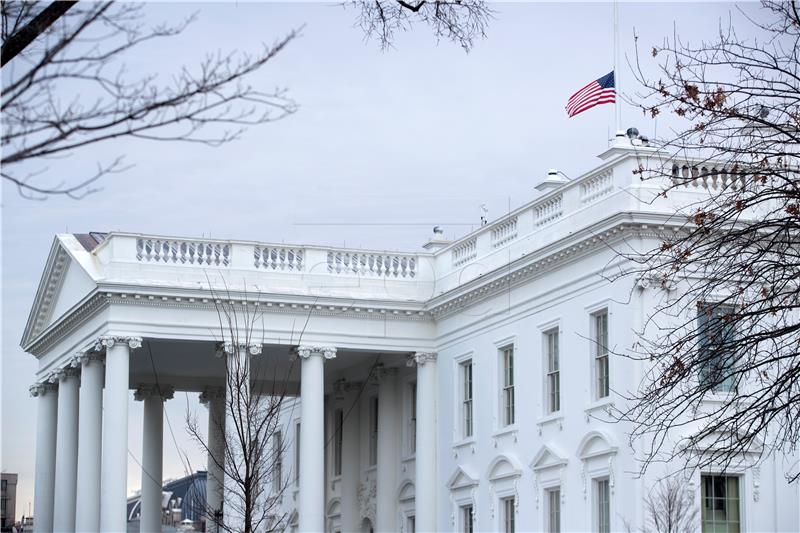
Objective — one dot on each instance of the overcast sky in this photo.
(384, 146)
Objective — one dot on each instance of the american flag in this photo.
(600, 91)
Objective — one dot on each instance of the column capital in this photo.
(211, 393)
(87, 356)
(342, 387)
(65, 372)
(150, 390)
(107, 341)
(420, 358)
(40, 388)
(230, 348)
(307, 350)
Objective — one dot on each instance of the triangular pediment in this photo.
(548, 457)
(462, 478)
(64, 283)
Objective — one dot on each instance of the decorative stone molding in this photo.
(756, 483)
(41, 388)
(342, 387)
(656, 281)
(87, 357)
(108, 341)
(229, 348)
(420, 358)
(307, 350)
(367, 505)
(212, 393)
(166, 392)
(66, 372)
(380, 373)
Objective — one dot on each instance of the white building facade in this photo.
(469, 380)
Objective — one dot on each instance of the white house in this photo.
(466, 378)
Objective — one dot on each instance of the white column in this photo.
(388, 450)
(46, 420)
(90, 438)
(153, 397)
(425, 462)
(312, 437)
(347, 394)
(214, 399)
(114, 474)
(66, 451)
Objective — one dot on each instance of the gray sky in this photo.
(420, 134)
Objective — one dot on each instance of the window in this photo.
(466, 399)
(373, 431)
(277, 456)
(602, 506)
(600, 354)
(297, 455)
(338, 424)
(466, 519)
(553, 375)
(508, 515)
(507, 354)
(720, 504)
(412, 422)
(411, 522)
(554, 510)
(715, 338)
(4, 485)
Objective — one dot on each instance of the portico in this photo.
(110, 342)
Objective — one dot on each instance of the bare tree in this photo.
(669, 508)
(249, 458)
(724, 339)
(70, 89)
(461, 21)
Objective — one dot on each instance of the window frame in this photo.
(466, 370)
(508, 518)
(601, 487)
(549, 492)
(552, 367)
(338, 441)
(601, 358)
(466, 513)
(506, 383)
(277, 456)
(740, 500)
(373, 430)
(297, 430)
(729, 385)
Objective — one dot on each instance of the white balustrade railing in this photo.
(183, 252)
(465, 252)
(278, 258)
(504, 231)
(372, 264)
(706, 176)
(596, 187)
(549, 210)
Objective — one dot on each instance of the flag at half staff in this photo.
(600, 91)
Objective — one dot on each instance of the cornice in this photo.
(618, 226)
(533, 265)
(51, 280)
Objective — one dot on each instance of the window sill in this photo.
(550, 420)
(408, 458)
(604, 404)
(508, 431)
(468, 443)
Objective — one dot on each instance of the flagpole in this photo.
(617, 77)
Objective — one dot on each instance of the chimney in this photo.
(553, 181)
(437, 242)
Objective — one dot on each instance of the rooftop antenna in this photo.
(485, 212)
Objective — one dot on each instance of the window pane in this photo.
(554, 510)
(720, 511)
